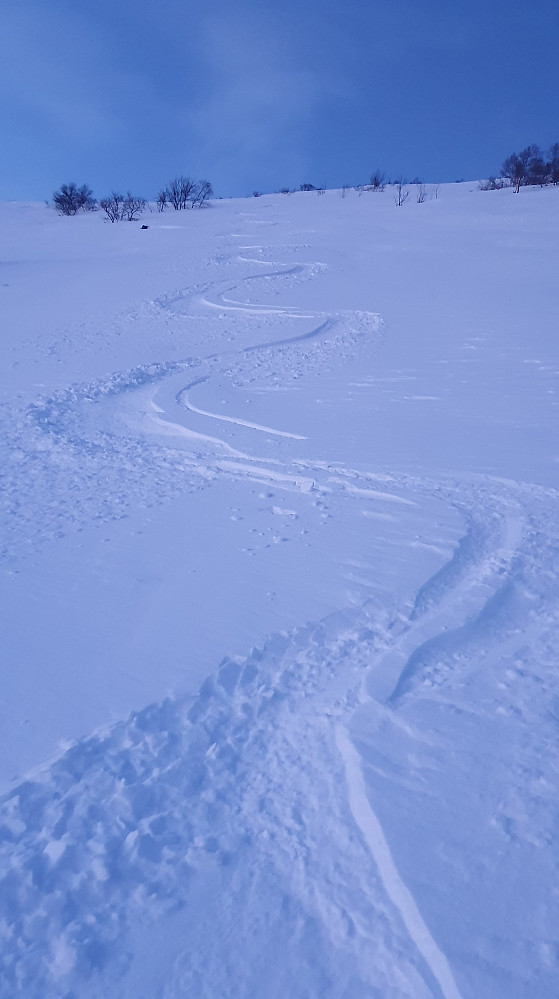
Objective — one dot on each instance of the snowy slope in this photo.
(280, 589)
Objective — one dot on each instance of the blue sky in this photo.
(252, 95)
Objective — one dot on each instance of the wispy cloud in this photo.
(56, 65)
(259, 101)
(263, 95)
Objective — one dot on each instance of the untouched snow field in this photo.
(280, 595)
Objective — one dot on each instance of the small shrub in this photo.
(200, 193)
(183, 192)
(113, 206)
(377, 181)
(491, 184)
(553, 155)
(178, 192)
(538, 172)
(118, 207)
(132, 207)
(71, 199)
(400, 194)
(523, 168)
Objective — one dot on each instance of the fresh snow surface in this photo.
(280, 594)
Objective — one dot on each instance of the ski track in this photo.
(56, 450)
(184, 401)
(396, 890)
(119, 825)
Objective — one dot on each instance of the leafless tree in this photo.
(132, 207)
(113, 206)
(516, 166)
(179, 191)
(421, 193)
(400, 194)
(553, 155)
(161, 200)
(183, 192)
(118, 207)
(538, 172)
(529, 167)
(71, 199)
(378, 181)
(200, 193)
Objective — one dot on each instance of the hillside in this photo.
(280, 585)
